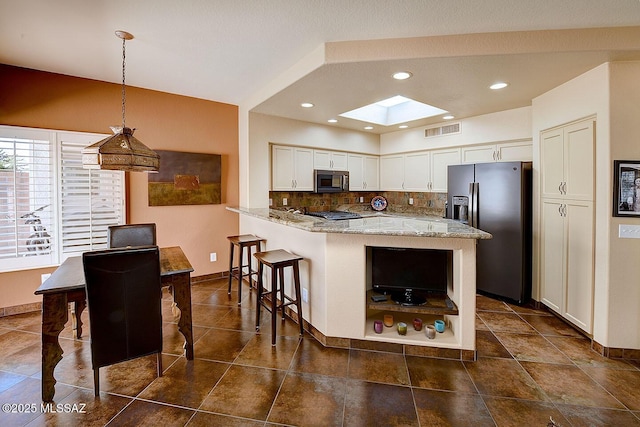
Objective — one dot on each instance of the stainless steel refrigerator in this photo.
(496, 198)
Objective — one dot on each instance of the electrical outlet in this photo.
(410, 200)
(305, 295)
(213, 257)
(284, 201)
(44, 277)
(361, 199)
(270, 202)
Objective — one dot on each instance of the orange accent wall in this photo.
(163, 121)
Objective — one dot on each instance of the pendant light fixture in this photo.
(121, 151)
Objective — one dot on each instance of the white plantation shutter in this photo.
(26, 200)
(50, 207)
(90, 199)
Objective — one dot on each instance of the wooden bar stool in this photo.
(243, 241)
(278, 260)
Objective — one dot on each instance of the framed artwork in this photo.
(626, 188)
(186, 179)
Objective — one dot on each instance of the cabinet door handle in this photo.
(562, 209)
(560, 187)
(564, 187)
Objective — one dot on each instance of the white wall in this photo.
(503, 126)
(607, 92)
(264, 129)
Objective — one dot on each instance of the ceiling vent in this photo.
(442, 130)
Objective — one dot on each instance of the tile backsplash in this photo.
(397, 201)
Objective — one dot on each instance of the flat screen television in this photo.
(409, 275)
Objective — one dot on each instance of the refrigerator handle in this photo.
(473, 204)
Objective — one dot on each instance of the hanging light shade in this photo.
(121, 151)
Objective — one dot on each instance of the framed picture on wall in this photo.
(626, 188)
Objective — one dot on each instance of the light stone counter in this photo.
(373, 224)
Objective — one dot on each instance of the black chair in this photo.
(124, 302)
(121, 236)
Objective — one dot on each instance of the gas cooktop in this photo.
(335, 215)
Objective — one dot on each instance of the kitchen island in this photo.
(333, 275)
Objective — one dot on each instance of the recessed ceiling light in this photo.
(403, 126)
(402, 75)
(449, 117)
(368, 127)
(332, 121)
(306, 105)
(498, 85)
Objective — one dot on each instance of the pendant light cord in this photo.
(124, 95)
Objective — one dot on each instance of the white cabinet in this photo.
(419, 171)
(392, 173)
(567, 247)
(479, 154)
(504, 152)
(329, 160)
(363, 172)
(567, 222)
(440, 161)
(291, 168)
(567, 164)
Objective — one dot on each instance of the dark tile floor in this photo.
(531, 367)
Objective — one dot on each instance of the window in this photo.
(50, 207)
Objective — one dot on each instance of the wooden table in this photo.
(66, 285)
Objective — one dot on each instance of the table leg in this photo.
(181, 284)
(79, 306)
(54, 316)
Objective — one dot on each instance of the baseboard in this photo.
(615, 353)
(213, 276)
(20, 309)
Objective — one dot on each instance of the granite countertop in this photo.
(377, 223)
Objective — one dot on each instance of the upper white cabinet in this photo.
(392, 172)
(504, 152)
(363, 172)
(440, 161)
(329, 160)
(291, 168)
(567, 161)
(417, 171)
(420, 171)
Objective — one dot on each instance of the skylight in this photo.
(394, 110)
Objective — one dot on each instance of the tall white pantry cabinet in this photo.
(567, 221)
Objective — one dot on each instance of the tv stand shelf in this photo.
(435, 305)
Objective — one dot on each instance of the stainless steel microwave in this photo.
(325, 181)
